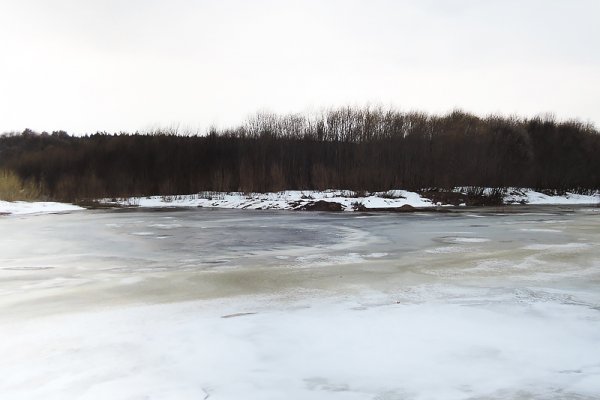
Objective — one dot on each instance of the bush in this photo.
(12, 188)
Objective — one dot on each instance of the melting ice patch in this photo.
(541, 230)
(469, 240)
(326, 259)
(143, 233)
(165, 226)
(376, 255)
(557, 247)
(449, 250)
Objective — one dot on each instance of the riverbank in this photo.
(346, 200)
(328, 200)
(35, 207)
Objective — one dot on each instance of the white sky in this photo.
(125, 65)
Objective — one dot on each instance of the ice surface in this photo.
(270, 305)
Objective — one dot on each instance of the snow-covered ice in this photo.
(247, 348)
(235, 304)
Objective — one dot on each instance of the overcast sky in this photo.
(125, 65)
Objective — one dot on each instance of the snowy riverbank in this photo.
(35, 207)
(344, 200)
(348, 200)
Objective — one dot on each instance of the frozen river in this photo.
(233, 304)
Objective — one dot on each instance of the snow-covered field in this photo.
(230, 304)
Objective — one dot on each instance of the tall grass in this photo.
(12, 188)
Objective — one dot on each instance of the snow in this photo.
(35, 207)
(480, 345)
(293, 199)
(286, 200)
(530, 196)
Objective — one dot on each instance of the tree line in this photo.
(360, 149)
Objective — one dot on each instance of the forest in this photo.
(360, 149)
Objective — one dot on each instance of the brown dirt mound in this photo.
(322, 205)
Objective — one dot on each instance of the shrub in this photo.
(12, 188)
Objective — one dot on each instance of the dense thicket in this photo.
(356, 149)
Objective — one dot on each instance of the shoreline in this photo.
(392, 201)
